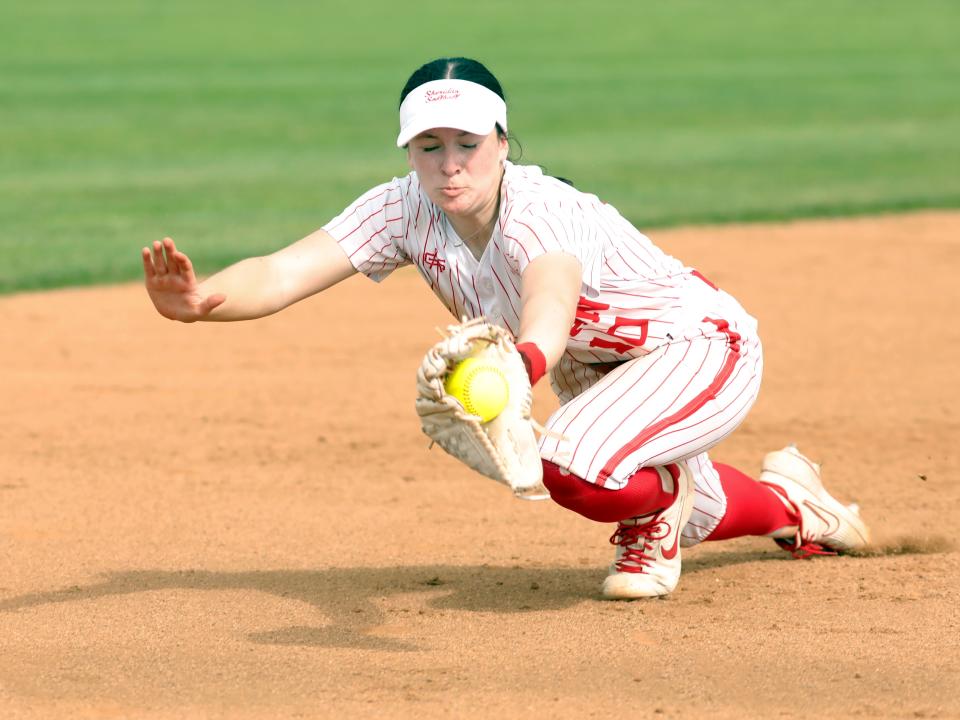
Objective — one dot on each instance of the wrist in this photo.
(533, 360)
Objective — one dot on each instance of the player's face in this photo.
(460, 171)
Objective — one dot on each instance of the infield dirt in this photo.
(244, 521)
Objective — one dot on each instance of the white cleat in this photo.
(827, 526)
(647, 562)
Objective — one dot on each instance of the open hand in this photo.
(172, 284)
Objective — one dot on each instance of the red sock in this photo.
(642, 495)
(752, 508)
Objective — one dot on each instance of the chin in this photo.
(452, 206)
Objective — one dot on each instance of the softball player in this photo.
(652, 363)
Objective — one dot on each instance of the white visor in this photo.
(459, 104)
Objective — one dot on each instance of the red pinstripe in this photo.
(365, 242)
(426, 237)
(463, 294)
(383, 247)
(580, 382)
(526, 207)
(381, 266)
(701, 510)
(509, 300)
(359, 226)
(473, 282)
(623, 394)
(519, 245)
(571, 420)
(546, 221)
(516, 290)
(359, 204)
(694, 441)
(632, 244)
(629, 267)
(733, 354)
(602, 480)
(592, 354)
(535, 237)
(423, 249)
(561, 386)
(573, 374)
(453, 295)
(730, 383)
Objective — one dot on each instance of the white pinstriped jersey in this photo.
(695, 360)
(634, 297)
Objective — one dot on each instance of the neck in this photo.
(476, 237)
(476, 229)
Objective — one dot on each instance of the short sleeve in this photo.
(370, 230)
(556, 226)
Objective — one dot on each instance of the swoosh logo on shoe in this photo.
(820, 511)
(671, 553)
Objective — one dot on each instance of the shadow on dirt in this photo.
(351, 598)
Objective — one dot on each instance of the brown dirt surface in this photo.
(244, 521)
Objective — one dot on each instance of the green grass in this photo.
(237, 127)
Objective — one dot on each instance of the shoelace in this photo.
(805, 551)
(628, 537)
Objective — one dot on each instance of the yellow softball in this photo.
(480, 386)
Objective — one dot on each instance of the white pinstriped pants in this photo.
(673, 404)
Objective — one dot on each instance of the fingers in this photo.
(163, 258)
(183, 264)
(148, 269)
(168, 251)
(159, 261)
(177, 262)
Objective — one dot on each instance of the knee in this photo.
(559, 482)
(582, 497)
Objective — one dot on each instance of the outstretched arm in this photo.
(549, 291)
(251, 288)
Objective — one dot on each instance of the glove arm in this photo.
(549, 293)
(504, 448)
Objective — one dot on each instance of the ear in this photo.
(504, 149)
(410, 159)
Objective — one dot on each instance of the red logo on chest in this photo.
(431, 261)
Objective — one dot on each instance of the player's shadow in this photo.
(350, 600)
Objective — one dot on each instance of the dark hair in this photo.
(454, 68)
(461, 68)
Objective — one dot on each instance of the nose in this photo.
(450, 163)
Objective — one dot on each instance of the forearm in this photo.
(252, 287)
(550, 289)
(546, 321)
(264, 285)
